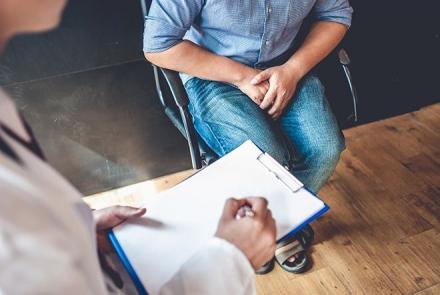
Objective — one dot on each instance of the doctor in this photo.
(52, 243)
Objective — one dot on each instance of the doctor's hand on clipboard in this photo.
(107, 218)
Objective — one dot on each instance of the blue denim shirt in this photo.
(253, 32)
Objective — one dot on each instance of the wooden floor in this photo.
(382, 235)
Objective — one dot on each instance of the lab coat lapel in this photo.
(40, 180)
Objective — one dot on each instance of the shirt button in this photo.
(267, 42)
(269, 10)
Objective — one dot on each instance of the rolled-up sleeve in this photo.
(338, 11)
(167, 22)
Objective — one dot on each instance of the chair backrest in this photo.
(175, 101)
(335, 75)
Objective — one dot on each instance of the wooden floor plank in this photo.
(383, 210)
(434, 290)
(429, 116)
(322, 281)
(424, 167)
(354, 267)
(427, 246)
(377, 242)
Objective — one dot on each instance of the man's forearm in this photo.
(189, 58)
(321, 40)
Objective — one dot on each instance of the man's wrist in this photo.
(241, 73)
(296, 67)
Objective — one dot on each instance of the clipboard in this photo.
(244, 172)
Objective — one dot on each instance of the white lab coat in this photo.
(47, 235)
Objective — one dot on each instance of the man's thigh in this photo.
(225, 118)
(308, 121)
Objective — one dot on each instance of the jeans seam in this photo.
(214, 136)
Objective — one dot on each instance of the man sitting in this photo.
(245, 80)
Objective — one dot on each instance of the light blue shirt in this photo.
(258, 33)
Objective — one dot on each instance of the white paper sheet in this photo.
(181, 219)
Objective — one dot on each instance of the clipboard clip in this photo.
(280, 172)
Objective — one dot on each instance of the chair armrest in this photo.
(345, 61)
(176, 86)
(180, 98)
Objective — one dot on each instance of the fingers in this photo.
(262, 91)
(269, 98)
(254, 236)
(266, 85)
(277, 107)
(259, 206)
(109, 217)
(263, 76)
(281, 101)
(257, 98)
(124, 212)
(231, 207)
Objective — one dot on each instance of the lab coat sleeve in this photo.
(36, 256)
(218, 268)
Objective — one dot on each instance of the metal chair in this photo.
(174, 99)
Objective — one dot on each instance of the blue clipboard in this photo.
(309, 220)
(137, 282)
(124, 259)
(274, 167)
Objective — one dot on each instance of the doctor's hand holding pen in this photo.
(248, 224)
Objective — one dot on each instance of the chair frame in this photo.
(182, 118)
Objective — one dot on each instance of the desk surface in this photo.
(134, 195)
(382, 235)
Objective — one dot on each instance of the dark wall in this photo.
(92, 34)
(395, 49)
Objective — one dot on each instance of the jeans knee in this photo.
(326, 155)
(277, 150)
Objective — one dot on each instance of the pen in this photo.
(244, 211)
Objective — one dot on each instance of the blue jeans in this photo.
(306, 138)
